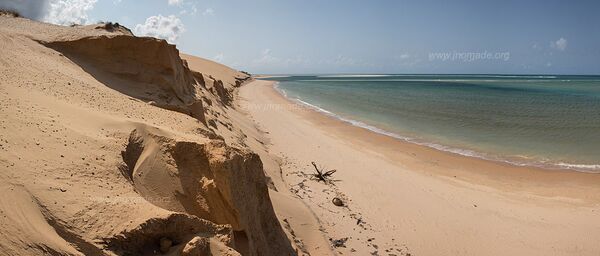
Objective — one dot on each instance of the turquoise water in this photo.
(549, 121)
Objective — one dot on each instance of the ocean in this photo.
(546, 121)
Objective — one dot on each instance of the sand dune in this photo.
(112, 144)
(150, 61)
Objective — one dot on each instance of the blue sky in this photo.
(335, 36)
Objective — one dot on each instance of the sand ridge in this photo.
(111, 144)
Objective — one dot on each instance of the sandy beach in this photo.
(118, 144)
(404, 198)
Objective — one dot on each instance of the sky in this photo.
(357, 36)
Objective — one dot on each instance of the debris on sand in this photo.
(337, 202)
(322, 176)
(339, 242)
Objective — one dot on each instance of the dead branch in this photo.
(322, 176)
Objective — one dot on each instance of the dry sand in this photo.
(403, 198)
(111, 144)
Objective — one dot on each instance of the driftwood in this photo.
(322, 176)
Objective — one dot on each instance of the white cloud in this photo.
(168, 28)
(192, 10)
(266, 57)
(175, 2)
(208, 11)
(67, 12)
(236, 65)
(344, 61)
(403, 60)
(298, 60)
(218, 57)
(61, 12)
(560, 44)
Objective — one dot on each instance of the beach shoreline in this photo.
(386, 178)
(489, 133)
(489, 168)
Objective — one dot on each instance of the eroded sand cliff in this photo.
(112, 144)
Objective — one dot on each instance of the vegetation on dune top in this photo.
(9, 13)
